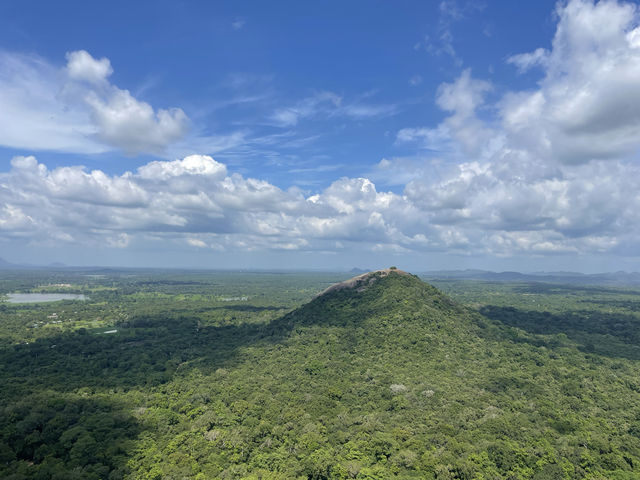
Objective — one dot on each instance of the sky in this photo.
(321, 135)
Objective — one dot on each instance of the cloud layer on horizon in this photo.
(198, 203)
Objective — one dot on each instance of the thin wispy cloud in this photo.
(415, 80)
(327, 105)
(238, 23)
(442, 42)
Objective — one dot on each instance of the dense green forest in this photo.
(171, 375)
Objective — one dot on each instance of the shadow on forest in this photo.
(43, 384)
(631, 305)
(146, 350)
(607, 334)
(52, 435)
(90, 372)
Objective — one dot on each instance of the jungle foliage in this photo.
(247, 376)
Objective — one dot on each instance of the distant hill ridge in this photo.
(571, 278)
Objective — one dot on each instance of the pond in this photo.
(43, 297)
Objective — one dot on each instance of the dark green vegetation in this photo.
(228, 376)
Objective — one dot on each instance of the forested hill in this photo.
(379, 377)
(380, 303)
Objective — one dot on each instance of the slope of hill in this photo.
(380, 377)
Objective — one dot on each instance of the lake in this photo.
(42, 297)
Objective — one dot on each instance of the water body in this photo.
(43, 297)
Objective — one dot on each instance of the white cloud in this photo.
(360, 110)
(402, 170)
(194, 198)
(121, 120)
(586, 106)
(191, 165)
(526, 61)
(552, 172)
(238, 24)
(438, 138)
(415, 80)
(588, 103)
(463, 96)
(450, 12)
(462, 130)
(14, 219)
(503, 207)
(133, 126)
(29, 178)
(82, 66)
(196, 242)
(320, 102)
(328, 104)
(573, 204)
(77, 110)
(120, 240)
(286, 117)
(33, 114)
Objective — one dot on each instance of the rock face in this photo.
(390, 294)
(361, 282)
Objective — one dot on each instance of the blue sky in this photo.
(452, 134)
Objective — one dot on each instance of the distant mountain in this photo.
(58, 265)
(617, 278)
(356, 270)
(623, 278)
(4, 265)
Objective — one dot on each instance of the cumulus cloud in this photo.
(82, 66)
(121, 120)
(574, 204)
(15, 220)
(587, 105)
(191, 165)
(551, 169)
(197, 199)
(526, 61)
(481, 208)
(33, 114)
(133, 126)
(462, 130)
(77, 109)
